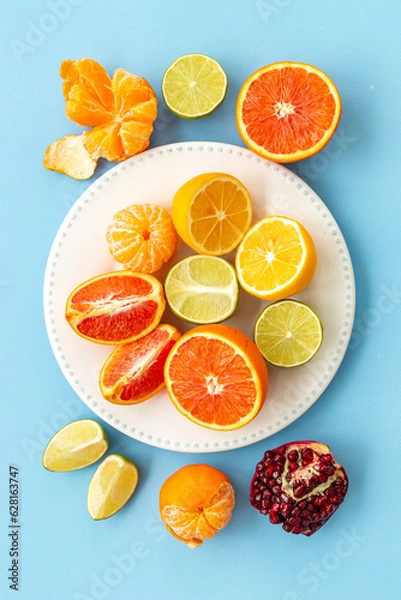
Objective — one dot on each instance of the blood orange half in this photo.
(116, 307)
(216, 377)
(134, 371)
(287, 111)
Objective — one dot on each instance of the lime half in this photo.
(288, 333)
(202, 289)
(194, 85)
(77, 445)
(111, 486)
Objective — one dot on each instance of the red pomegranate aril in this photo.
(299, 491)
(307, 455)
(276, 518)
(299, 485)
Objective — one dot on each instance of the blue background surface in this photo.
(65, 555)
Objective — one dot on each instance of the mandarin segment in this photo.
(196, 502)
(116, 307)
(87, 92)
(216, 377)
(142, 237)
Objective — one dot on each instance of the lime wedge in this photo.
(111, 486)
(194, 85)
(288, 333)
(202, 289)
(75, 446)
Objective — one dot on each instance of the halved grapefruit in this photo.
(287, 111)
(116, 307)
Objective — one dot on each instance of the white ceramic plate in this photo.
(80, 251)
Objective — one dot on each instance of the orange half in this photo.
(216, 377)
(287, 111)
(134, 371)
(116, 307)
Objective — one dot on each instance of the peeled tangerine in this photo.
(142, 237)
(121, 111)
(196, 502)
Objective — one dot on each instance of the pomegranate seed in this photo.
(270, 469)
(307, 455)
(297, 529)
(287, 527)
(302, 504)
(293, 456)
(276, 518)
(299, 491)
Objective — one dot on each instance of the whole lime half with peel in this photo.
(202, 289)
(288, 333)
(194, 85)
(75, 446)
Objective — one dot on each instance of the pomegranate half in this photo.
(299, 485)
